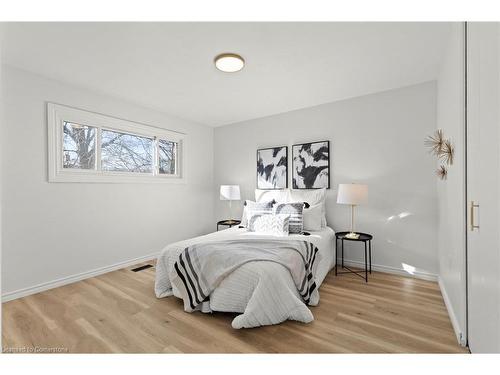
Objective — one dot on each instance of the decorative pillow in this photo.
(313, 197)
(313, 216)
(295, 212)
(280, 196)
(252, 208)
(276, 225)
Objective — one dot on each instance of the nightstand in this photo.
(230, 223)
(367, 240)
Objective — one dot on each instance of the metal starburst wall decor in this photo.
(447, 152)
(443, 149)
(435, 142)
(442, 172)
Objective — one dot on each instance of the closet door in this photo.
(483, 170)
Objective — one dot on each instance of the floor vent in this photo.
(141, 268)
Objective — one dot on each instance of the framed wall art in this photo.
(311, 165)
(272, 168)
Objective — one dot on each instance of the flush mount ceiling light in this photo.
(229, 62)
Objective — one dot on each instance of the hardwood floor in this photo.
(118, 312)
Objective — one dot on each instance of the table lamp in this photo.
(352, 194)
(230, 193)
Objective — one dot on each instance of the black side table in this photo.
(230, 223)
(367, 240)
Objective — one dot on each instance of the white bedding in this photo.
(263, 291)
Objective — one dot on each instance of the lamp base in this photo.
(352, 235)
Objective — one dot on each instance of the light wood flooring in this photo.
(118, 312)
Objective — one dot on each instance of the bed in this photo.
(263, 292)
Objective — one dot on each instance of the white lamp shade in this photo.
(352, 194)
(230, 193)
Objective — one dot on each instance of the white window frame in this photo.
(58, 114)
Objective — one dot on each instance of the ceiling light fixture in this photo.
(229, 62)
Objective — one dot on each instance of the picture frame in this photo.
(272, 168)
(311, 165)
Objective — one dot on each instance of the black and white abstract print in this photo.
(311, 165)
(272, 168)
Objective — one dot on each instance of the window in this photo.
(126, 152)
(78, 146)
(167, 152)
(89, 147)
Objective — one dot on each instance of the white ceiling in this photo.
(169, 66)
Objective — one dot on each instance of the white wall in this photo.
(451, 193)
(375, 139)
(56, 230)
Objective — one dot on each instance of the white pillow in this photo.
(312, 218)
(313, 197)
(252, 208)
(280, 196)
(276, 225)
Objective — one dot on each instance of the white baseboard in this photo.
(9, 296)
(453, 317)
(394, 270)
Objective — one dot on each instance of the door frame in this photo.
(466, 205)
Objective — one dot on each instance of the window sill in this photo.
(110, 178)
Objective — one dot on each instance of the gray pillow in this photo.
(295, 210)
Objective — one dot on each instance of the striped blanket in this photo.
(201, 267)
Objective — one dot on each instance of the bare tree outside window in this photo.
(167, 151)
(78, 146)
(126, 152)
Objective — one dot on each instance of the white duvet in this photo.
(263, 292)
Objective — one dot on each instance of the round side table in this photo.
(230, 223)
(367, 240)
